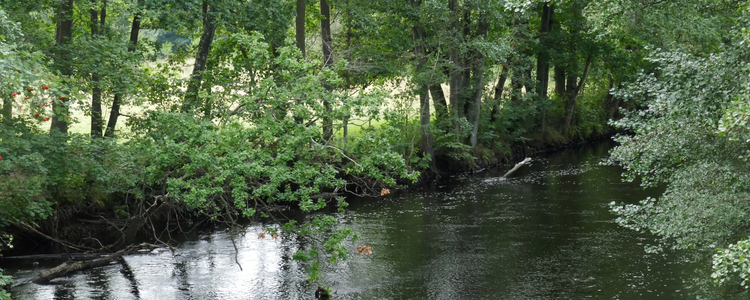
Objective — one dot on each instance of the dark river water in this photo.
(546, 233)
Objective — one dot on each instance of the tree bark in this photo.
(456, 73)
(327, 41)
(70, 266)
(573, 95)
(423, 88)
(438, 100)
(345, 121)
(478, 70)
(97, 22)
(499, 92)
(63, 37)
(115, 110)
(201, 58)
(300, 26)
(560, 82)
(542, 63)
(518, 69)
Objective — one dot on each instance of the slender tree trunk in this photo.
(438, 100)
(456, 73)
(423, 90)
(499, 92)
(327, 41)
(560, 82)
(97, 23)
(300, 26)
(542, 63)
(63, 37)
(571, 105)
(478, 67)
(116, 102)
(201, 58)
(347, 78)
(516, 64)
(466, 66)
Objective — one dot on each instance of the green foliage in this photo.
(732, 261)
(39, 171)
(4, 281)
(684, 136)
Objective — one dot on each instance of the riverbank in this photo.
(546, 233)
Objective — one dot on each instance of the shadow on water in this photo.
(545, 233)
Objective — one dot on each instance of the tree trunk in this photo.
(70, 266)
(300, 26)
(97, 123)
(542, 63)
(499, 92)
(201, 58)
(115, 110)
(423, 90)
(560, 82)
(438, 100)
(327, 41)
(345, 121)
(570, 106)
(467, 64)
(478, 71)
(63, 37)
(518, 68)
(456, 73)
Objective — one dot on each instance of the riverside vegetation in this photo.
(263, 120)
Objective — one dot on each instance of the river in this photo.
(546, 233)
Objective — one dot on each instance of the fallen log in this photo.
(68, 256)
(73, 266)
(515, 168)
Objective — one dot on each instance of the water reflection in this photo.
(546, 233)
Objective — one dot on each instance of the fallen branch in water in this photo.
(515, 168)
(71, 266)
(68, 256)
(518, 165)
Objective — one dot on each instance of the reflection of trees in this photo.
(127, 272)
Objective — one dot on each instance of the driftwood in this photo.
(71, 266)
(515, 168)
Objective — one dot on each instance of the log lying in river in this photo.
(515, 168)
(73, 266)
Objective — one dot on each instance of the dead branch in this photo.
(71, 266)
(516, 167)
